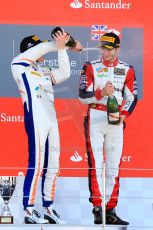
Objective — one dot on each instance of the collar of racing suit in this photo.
(110, 64)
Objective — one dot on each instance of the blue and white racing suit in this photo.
(35, 86)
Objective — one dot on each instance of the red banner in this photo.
(137, 153)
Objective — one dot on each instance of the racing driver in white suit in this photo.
(99, 79)
(35, 84)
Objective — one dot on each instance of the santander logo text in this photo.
(76, 4)
(88, 4)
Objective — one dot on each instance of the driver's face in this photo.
(109, 54)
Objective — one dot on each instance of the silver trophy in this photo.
(7, 186)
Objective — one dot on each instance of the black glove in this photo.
(70, 43)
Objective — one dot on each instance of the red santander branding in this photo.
(4, 117)
(89, 4)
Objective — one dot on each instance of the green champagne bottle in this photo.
(113, 113)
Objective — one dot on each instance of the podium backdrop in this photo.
(86, 20)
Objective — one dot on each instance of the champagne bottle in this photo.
(70, 43)
(113, 113)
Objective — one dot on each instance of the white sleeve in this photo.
(36, 52)
(27, 58)
(63, 72)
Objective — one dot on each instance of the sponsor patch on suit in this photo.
(118, 71)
